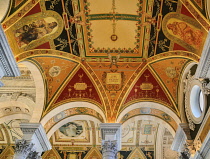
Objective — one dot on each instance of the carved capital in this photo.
(191, 147)
(33, 155)
(23, 147)
(109, 149)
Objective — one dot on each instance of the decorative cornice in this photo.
(35, 131)
(8, 66)
(111, 132)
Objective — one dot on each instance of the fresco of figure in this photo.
(186, 33)
(34, 31)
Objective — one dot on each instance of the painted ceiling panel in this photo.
(114, 82)
(56, 71)
(169, 72)
(148, 88)
(79, 87)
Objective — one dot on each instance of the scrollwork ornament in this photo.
(205, 87)
(191, 124)
(197, 144)
(189, 82)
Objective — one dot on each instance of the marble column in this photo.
(34, 142)
(183, 142)
(111, 139)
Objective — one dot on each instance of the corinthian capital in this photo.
(23, 148)
(109, 149)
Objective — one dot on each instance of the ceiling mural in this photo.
(29, 33)
(169, 72)
(112, 54)
(70, 27)
(80, 86)
(55, 71)
(147, 88)
(112, 20)
(184, 31)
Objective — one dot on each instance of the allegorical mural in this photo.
(35, 30)
(184, 30)
(71, 112)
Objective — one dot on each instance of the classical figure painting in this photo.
(186, 32)
(71, 129)
(35, 30)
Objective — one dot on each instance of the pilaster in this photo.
(204, 152)
(182, 141)
(111, 139)
(34, 142)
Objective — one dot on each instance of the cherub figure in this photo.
(113, 60)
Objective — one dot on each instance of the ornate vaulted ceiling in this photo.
(108, 53)
(111, 53)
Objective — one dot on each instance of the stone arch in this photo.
(39, 86)
(66, 106)
(149, 105)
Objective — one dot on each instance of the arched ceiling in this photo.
(100, 61)
(109, 53)
(112, 55)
